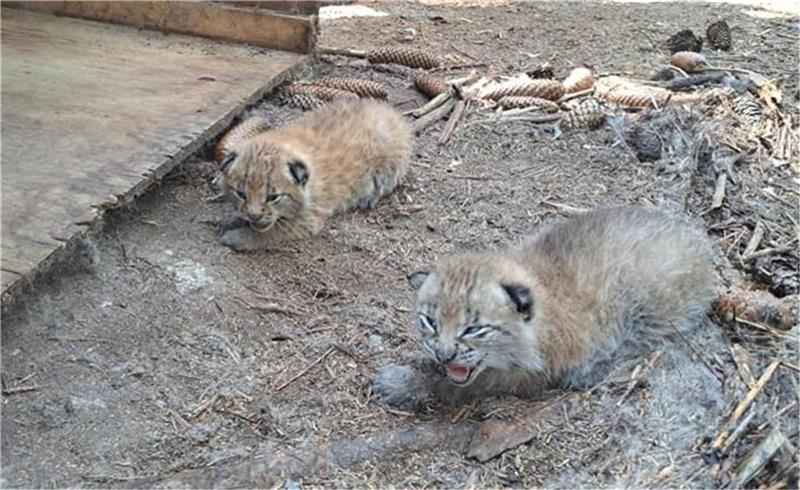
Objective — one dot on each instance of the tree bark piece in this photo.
(494, 437)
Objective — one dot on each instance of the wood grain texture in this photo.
(94, 113)
(233, 23)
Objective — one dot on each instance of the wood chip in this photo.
(758, 458)
(497, 436)
(719, 191)
(743, 361)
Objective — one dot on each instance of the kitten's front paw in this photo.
(241, 240)
(394, 385)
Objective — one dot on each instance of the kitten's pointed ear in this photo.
(521, 297)
(227, 161)
(299, 171)
(416, 278)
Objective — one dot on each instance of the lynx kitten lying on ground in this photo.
(288, 181)
(553, 310)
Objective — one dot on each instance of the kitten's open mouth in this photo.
(458, 374)
(260, 226)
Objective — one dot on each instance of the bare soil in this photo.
(156, 350)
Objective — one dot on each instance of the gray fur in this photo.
(605, 284)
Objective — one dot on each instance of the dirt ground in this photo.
(156, 350)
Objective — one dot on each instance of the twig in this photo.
(305, 370)
(433, 116)
(754, 391)
(20, 389)
(431, 104)
(755, 241)
(202, 407)
(565, 207)
(575, 95)
(458, 111)
(780, 413)
(767, 251)
(638, 374)
(738, 431)
(352, 53)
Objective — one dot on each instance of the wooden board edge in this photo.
(24, 284)
(232, 23)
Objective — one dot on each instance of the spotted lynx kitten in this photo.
(553, 310)
(285, 183)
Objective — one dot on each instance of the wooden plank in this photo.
(294, 7)
(94, 113)
(205, 19)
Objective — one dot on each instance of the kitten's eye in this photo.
(476, 331)
(272, 198)
(428, 322)
(241, 195)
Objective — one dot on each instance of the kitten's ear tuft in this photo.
(227, 161)
(299, 171)
(521, 297)
(417, 278)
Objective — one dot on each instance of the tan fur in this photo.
(354, 152)
(599, 280)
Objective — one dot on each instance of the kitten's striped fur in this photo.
(556, 308)
(287, 182)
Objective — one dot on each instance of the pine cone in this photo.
(749, 109)
(303, 102)
(322, 93)
(413, 57)
(633, 96)
(429, 84)
(521, 102)
(684, 41)
(590, 114)
(719, 35)
(755, 306)
(579, 79)
(546, 89)
(359, 86)
(243, 131)
(688, 61)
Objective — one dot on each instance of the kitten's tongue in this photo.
(459, 374)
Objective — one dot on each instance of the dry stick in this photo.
(638, 374)
(753, 393)
(458, 111)
(767, 251)
(565, 207)
(431, 104)
(433, 116)
(575, 95)
(305, 370)
(20, 389)
(747, 401)
(780, 413)
(738, 431)
(352, 53)
(758, 457)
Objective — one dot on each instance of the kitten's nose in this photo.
(444, 355)
(253, 216)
